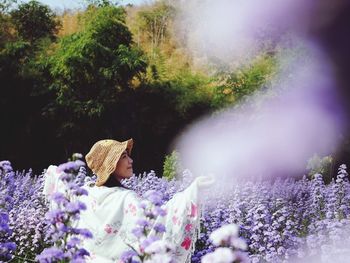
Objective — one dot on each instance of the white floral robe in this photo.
(112, 212)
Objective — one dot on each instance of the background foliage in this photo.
(106, 71)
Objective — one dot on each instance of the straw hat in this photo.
(103, 157)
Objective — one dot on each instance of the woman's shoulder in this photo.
(102, 192)
(91, 187)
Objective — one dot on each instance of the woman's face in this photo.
(123, 169)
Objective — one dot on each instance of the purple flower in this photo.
(154, 197)
(80, 254)
(145, 243)
(66, 166)
(77, 260)
(6, 250)
(71, 166)
(62, 228)
(75, 207)
(73, 242)
(59, 198)
(83, 232)
(142, 222)
(50, 254)
(66, 177)
(143, 205)
(79, 163)
(56, 215)
(160, 228)
(80, 191)
(9, 246)
(6, 167)
(127, 255)
(158, 211)
(62, 233)
(138, 232)
(277, 220)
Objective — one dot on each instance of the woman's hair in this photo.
(113, 182)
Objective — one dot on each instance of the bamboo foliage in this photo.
(155, 23)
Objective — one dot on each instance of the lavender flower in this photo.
(6, 248)
(128, 256)
(52, 254)
(150, 247)
(226, 237)
(62, 234)
(278, 221)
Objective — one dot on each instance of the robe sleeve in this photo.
(182, 222)
(52, 183)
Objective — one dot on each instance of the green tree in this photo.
(171, 165)
(155, 22)
(318, 165)
(237, 85)
(99, 3)
(5, 23)
(24, 131)
(34, 20)
(5, 5)
(24, 90)
(91, 67)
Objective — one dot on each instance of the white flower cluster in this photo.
(224, 234)
(159, 247)
(220, 255)
(229, 244)
(227, 235)
(160, 251)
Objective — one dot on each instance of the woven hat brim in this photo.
(104, 156)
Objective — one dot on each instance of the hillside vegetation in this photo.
(109, 71)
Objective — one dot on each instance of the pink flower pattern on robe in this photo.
(112, 214)
(188, 227)
(131, 209)
(193, 212)
(186, 243)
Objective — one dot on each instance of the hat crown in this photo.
(103, 157)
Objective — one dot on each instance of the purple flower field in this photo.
(286, 220)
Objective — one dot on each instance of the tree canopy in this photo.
(91, 67)
(34, 20)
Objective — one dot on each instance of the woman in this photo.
(112, 210)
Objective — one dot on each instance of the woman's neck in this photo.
(113, 182)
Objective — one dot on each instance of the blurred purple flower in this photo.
(142, 222)
(149, 240)
(59, 198)
(52, 254)
(127, 255)
(154, 197)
